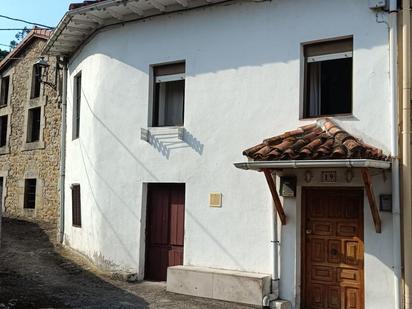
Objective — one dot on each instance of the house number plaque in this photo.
(328, 177)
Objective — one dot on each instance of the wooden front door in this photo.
(164, 229)
(333, 250)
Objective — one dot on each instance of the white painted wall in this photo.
(243, 65)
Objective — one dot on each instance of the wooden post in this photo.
(275, 196)
(371, 198)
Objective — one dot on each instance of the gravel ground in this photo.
(37, 273)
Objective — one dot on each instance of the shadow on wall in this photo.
(166, 142)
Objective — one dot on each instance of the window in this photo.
(328, 78)
(4, 90)
(169, 95)
(33, 129)
(76, 105)
(76, 207)
(36, 81)
(3, 130)
(30, 193)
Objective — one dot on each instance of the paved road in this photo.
(34, 273)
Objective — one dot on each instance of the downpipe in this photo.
(63, 130)
(274, 287)
(396, 219)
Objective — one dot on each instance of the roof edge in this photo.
(334, 163)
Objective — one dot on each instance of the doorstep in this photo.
(234, 286)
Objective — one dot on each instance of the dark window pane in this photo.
(33, 132)
(3, 130)
(328, 87)
(76, 109)
(336, 79)
(4, 91)
(30, 193)
(36, 81)
(76, 206)
(169, 103)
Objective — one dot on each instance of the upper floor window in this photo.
(3, 130)
(34, 121)
(328, 78)
(169, 95)
(76, 105)
(4, 90)
(36, 81)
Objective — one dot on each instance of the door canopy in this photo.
(322, 140)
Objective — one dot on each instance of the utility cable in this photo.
(25, 21)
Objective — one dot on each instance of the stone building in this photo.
(29, 132)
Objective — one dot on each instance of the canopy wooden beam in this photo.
(371, 198)
(275, 196)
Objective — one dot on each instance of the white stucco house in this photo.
(163, 96)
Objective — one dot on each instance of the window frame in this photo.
(6, 133)
(26, 193)
(155, 81)
(76, 205)
(77, 96)
(324, 57)
(36, 84)
(5, 97)
(29, 135)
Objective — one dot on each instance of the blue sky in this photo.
(47, 12)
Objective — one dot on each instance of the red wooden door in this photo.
(333, 259)
(164, 229)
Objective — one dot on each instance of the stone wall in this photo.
(40, 159)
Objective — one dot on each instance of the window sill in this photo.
(33, 146)
(4, 150)
(147, 133)
(346, 115)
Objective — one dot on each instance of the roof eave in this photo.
(291, 164)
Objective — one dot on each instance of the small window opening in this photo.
(76, 206)
(3, 130)
(4, 90)
(33, 130)
(328, 78)
(169, 95)
(30, 193)
(36, 81)
(76, 105)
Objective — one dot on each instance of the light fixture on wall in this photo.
(44, 66)
(308, 176)
(349, 175)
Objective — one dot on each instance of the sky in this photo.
(47, 12)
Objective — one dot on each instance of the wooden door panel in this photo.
(334, 297)
(323, 274)
(164, 229)
(332, 264)
(317, 250)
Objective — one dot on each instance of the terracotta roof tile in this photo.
(73, 6)
(320, 140)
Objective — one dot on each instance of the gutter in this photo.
(348, 163)
(63, 151)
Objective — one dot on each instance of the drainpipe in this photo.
(274, 290)
(396, 220)
(63, 151)
(406, 152)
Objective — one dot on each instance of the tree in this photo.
(19, 36)
(3, 53)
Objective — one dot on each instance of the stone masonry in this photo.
(40, 160)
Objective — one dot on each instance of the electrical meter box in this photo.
(377, 4)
